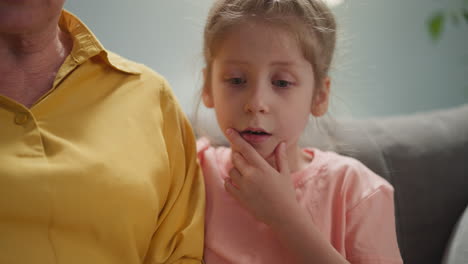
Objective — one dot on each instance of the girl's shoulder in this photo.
(204, 144)
(344, 168)
(207, 153)
(344, 175)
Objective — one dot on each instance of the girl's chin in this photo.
(268, 155)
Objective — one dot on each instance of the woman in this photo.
(97, 161)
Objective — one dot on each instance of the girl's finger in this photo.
(235, 176)
(281, 158)
(239, 144)
(241, 164)
(232, 190)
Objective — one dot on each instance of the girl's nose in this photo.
(256, 102)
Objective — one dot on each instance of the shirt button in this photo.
(21, 118)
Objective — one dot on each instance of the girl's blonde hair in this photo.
(311, 22)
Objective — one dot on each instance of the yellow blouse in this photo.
(102, 169)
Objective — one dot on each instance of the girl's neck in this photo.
(297, 159)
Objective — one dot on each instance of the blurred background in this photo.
(393, 57)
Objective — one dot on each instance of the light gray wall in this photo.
(386, 64)
(391, 66)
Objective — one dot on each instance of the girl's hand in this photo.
(269, 195)
(265, 192)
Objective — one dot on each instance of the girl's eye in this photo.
(236, 81)
(282, 83)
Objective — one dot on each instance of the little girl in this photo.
(268, 200)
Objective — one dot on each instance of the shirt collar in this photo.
(87, 46)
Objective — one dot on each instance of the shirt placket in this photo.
(25, 193)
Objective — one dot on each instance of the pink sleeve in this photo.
(370, 230)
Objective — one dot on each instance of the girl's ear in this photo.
(207, 95)
(320, 99)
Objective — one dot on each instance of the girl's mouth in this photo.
(255, 136)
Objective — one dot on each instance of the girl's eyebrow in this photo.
(273, 63)
(284, 63)
(234, 62)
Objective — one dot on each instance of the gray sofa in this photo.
(425, 157)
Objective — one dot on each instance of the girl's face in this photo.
(262, 86)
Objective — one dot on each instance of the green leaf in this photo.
(435, 25)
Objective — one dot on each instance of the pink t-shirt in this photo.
(349, 204)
